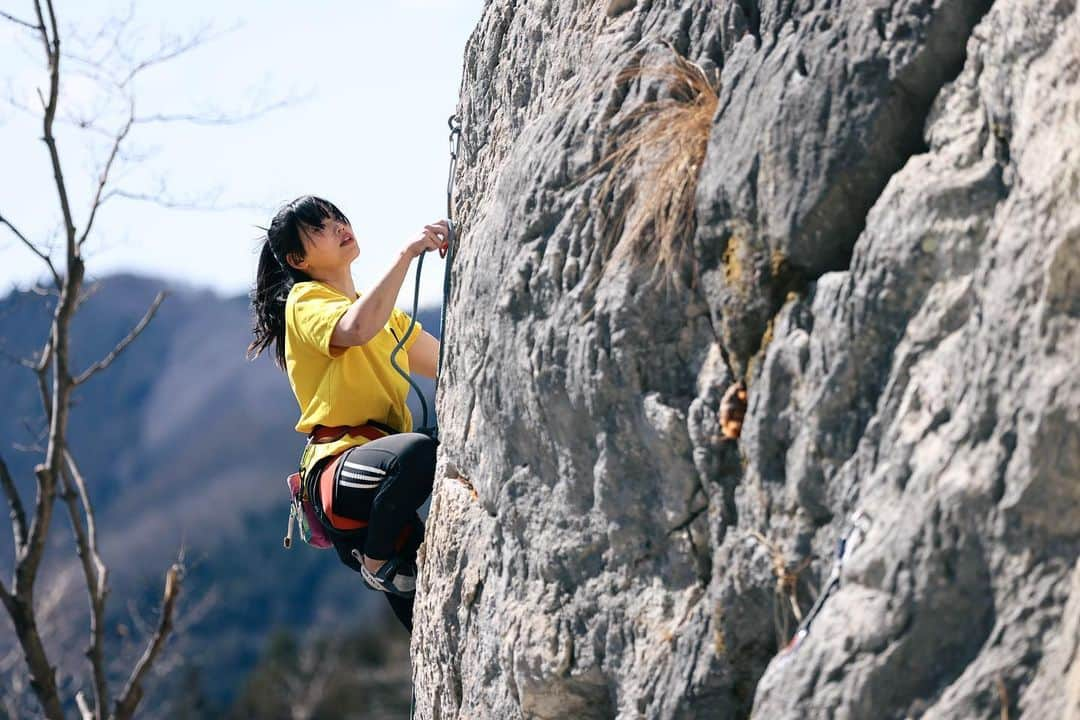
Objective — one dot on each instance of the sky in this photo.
(362, 90)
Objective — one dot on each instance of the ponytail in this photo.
(275, 277)
(272, 285)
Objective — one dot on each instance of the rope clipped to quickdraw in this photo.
(446, 252)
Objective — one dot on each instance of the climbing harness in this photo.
(447, 252)
(302, 511)
(845, 546)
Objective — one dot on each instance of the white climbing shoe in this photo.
(396, 576)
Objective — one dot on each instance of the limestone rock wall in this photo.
(885, 245)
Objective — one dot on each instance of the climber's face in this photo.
(327, 249)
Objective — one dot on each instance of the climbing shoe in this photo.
(397, 576)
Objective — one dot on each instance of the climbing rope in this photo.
(447, 251)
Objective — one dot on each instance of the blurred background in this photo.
(184, 443)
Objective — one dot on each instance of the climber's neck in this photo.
(340, 279)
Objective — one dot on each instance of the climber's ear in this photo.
(297, 262)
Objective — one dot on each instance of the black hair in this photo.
(275, 276)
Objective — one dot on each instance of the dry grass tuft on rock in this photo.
(787, 588)
(668, 137)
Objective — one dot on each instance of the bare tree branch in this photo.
(18, 513)
(14, 102)
(104, 177)
(41, 372)
(58, 472)
(140, 628)
(88, 292)
(166, 202)
(36, 435)
(16, 360)
(6, 598)
(34, 248)
(41, 291)
(42, 674)
(209, 118)
(107, 360)
(121, 24)
(52, 50)
(52, 24)
(20, 605)
(172, 203)
(84, 706)
(78, 500)
(36, 448)
(221, 118)
(129, 699)
(200, 37)
(91, 523)
(17, 21)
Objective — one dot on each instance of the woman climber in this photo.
(364, 470)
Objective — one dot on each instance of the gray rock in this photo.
(886, 247)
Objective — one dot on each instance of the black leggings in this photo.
(384, 481)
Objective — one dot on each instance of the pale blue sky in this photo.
(382, 78)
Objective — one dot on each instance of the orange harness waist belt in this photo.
(331, 433)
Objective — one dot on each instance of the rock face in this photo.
(884, 243)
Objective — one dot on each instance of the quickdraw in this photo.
(845, 546)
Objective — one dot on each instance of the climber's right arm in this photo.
(369, 313)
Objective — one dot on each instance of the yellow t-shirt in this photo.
(343, 386)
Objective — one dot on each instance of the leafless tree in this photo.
(58, 474)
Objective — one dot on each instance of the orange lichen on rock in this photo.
(732, 410)
(452, 472)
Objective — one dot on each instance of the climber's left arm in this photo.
(424, 355)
